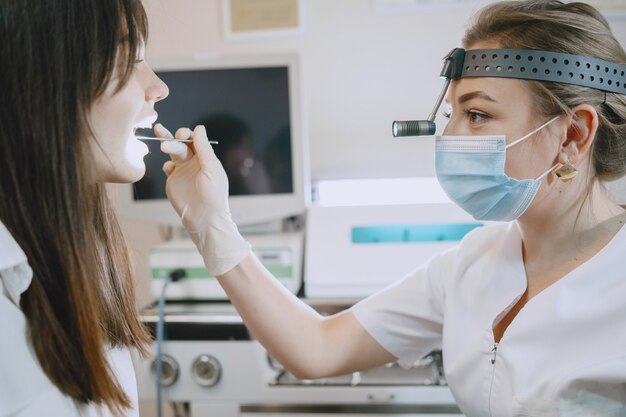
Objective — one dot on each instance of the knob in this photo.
(169, 370)
(206, 370)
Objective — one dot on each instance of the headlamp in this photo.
(523, 64)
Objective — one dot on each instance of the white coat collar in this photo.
(15, 273)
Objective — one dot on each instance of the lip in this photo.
(146, 150)
(140, 147)
(146, 122)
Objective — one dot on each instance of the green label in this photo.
(279, 271)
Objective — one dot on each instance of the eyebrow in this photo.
(475, 94)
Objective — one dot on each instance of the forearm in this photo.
(299, 338)
(291, 331)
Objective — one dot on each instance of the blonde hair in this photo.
(573, 28)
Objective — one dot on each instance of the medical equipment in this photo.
(354, 251)
(280, 253)
(212, 364)
(212, 142)
(216, 368)
(173, 276)
(521, 64)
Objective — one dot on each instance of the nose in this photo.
(157, 89)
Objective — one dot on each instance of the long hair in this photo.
(58, 57)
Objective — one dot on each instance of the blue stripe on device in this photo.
(411, 233)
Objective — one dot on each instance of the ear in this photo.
(581, 132)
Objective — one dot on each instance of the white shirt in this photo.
(564, 354)
(25, 390)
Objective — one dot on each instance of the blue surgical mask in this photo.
(470, 169)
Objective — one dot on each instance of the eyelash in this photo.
(472, 115)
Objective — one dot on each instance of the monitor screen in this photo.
(250, 106)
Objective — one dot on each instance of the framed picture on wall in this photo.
(250, 19)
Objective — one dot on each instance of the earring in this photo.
(566, 172)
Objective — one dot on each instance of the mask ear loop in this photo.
(530, 134)
(566, 172)
(539, 178)
(533, 132)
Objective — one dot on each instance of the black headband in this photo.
(536, 65)
(523, 64)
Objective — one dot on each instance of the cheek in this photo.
(124, 163)
(522, 163)
(118, 156)
(514, 167)
(127, 159)
(134, 151)
(530, 160)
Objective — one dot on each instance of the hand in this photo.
(197, 187)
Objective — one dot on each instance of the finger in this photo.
(168, 167)
(178, 151)
(183, 133)
(161, 132)
(203, 148)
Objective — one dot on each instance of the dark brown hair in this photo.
(58, 57)
(573, 28)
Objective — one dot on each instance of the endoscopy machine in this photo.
(210, 362)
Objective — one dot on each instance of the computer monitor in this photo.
(251, 105)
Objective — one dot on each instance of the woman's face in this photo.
(504, 106)
(115, 117)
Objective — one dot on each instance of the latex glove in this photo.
(197, 187)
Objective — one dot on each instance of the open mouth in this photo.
(142, 129)
(145, 124)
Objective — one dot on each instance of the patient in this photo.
(75, 87)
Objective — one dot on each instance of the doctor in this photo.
(530, 313)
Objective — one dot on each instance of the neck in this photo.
(555, 231)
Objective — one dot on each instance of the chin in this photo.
(136, 175)
(129, 175)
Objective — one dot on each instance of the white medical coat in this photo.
(25, 390)
(564, 354)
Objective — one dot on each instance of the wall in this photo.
(361, 71)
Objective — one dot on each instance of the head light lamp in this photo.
(523, 64)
